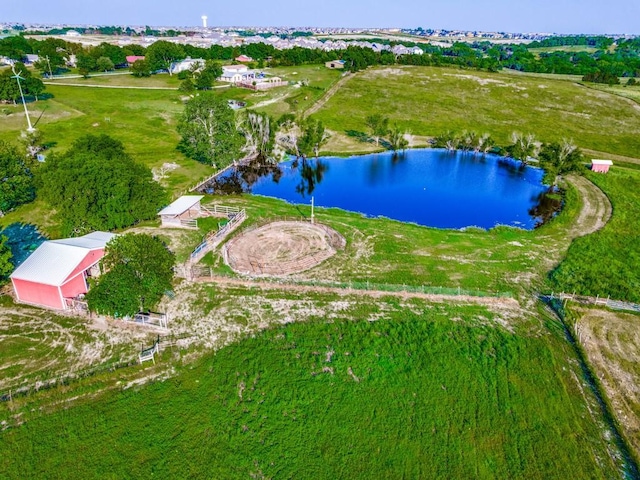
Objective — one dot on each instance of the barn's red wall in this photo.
(37, 293)
(74, 287)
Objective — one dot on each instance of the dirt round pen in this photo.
(282, 248)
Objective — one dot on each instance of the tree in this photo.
(96, 185)
(312, 138)
(559, 159)
(85, 64)
(139, 270)
(208, 131)
(6, 266)
(9, 90)
(378, 125)
(104, 64)
(140, 68)
(397, 139)
(523, 147)
(162, 54)
(16, 178)
(187, 86)
(259, 135)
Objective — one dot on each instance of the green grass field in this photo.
(605, 263)
(411, 395)
(430, 101)
(411, 389)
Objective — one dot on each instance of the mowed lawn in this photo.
(430, 101)
(408, 394)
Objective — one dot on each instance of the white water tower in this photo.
(204, 21)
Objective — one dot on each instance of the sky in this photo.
(548, 16)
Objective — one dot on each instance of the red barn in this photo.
(131, 59)
(601, 166)
(58, 270)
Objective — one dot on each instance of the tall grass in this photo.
(412, 396)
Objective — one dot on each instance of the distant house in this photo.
(186, 64)
(131, 59)
(56, 272)
(601, 166)
(335, 64)
(73, 33)
(244, 59)
(232, 76)
(235, 68)
(416, 51)
(30, 59)
(182, 212)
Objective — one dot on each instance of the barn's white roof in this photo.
(55, 260)
(601, 162)
(181, 205)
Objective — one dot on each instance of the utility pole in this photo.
(24, 104)
(312, 210)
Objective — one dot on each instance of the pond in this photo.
(430, 187)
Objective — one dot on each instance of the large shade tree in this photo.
(16, 178)
(208, 130)
(96, 185)
(560, 158)
(162, 54)
(139, 270)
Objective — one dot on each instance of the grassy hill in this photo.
(430, 101)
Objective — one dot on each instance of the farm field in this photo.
(431, 101)
(410, 390)
(308, 377)
(611, 342)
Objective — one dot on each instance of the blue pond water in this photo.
(430, 187)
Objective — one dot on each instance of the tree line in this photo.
(623, 61)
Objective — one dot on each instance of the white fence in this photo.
(213, 240)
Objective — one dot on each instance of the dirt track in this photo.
(596, 208)
(509, 303)
(330, 93)
(612, 343)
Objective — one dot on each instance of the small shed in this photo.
(335, 64)
(57, 271)
(244, 59)
(182, 212)
(601, 166)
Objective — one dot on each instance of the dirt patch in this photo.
(612, 343)
(281, 248)
(481, 81)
